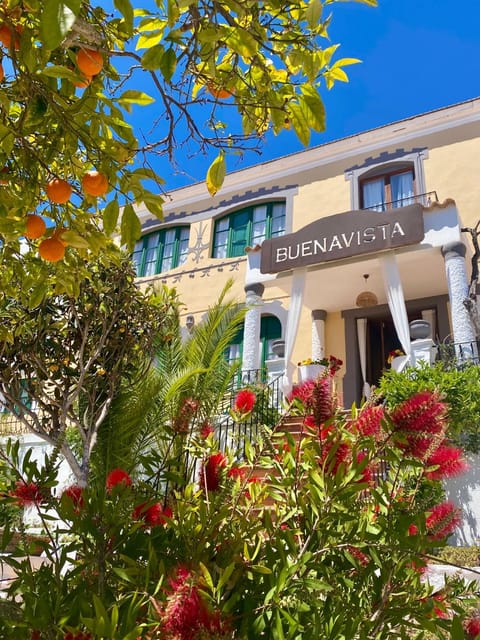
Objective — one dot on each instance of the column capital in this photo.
(455, 249)
(319, 314)
(256, 287)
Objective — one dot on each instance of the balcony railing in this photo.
(10, 425)
(425, 199)
(267, 410)
(458, 355)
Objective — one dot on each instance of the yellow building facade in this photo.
(304, 235)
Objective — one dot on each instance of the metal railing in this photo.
(267, 410)
(458, 355)
(425, 199)
(10, 425)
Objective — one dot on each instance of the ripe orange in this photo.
(51, 249)
(7, 36)
(89, 61)
(35, 227)
(95, 183)
(58, 190)
(218, 92)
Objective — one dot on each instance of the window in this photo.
(248, 227)
(388, 191)
(270, 330)
(161, 250)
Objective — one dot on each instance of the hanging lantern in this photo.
(366, 298)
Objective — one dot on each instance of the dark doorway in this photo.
(381, 340)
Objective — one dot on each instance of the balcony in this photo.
(425, 199)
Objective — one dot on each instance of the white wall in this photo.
(464, 491)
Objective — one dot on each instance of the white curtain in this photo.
(374, 194)
(294, 311)
(402, 189)
(362, 349)
(396, 303)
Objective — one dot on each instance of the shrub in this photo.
(459, 387)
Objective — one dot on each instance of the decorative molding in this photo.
(201, 272)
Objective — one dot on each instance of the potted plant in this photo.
(310, 369)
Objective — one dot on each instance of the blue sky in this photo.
(417, 55)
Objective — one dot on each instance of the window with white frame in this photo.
(161, 250)
(388, 190)
(247, 227)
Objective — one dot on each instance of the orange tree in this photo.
(64, 361)
(70, 76)
(323, 538)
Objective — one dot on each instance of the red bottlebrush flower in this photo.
(362, 558)
(206, 430)
(116, 477)
(413, 530)
(472, 627)
(420, 423)
(369, 422)
(28, 494)
(185, 613)
(368, 473)
(211, 471)
(321, 402)
(244, 402)
(302, 391)
(442, 520)
(449, 462)
(334, 454)
(75, 494)
(237, 473)
(154, 515)
(181, 421)
(317, 397)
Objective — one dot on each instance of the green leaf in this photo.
(110, 217)
(216, 174)
(75, 239)
(299, 122)
(130, 229)
(38, 294)
(313, 13)
(56, 20)
(456, 632)
(242, 42)
(135, 97)
(149, 41)
(152, 58)
(126, 9)
(168, 64)
(314, 108)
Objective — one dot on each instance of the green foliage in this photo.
(315, 550)
(460, 556)
(265, 61)
(459, 387)
(62, 362)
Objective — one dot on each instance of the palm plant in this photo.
(181, 392)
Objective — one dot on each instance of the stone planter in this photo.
(310, 371)
(419, 329)
(278, 348)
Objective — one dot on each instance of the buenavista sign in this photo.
(343, 235)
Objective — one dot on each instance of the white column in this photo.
(318, 333)
(251, 331)
(430, 316)
(454, 256)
